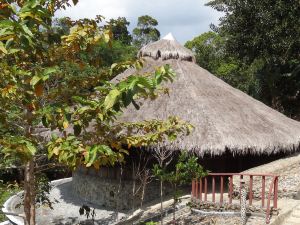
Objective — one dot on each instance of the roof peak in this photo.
(169, 37)
(167, 48)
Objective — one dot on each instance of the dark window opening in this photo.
(158, 55)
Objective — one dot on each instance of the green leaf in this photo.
(30, 147)
(45, 121)
(26, 30)
(83, 109)
(50, 70)
(111, 99)
(35, 80)
(2, 48)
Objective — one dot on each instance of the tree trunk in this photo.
(29, 193)
(133, 189)
(174, 204)
(161, 202)
(143, 190)
(118, 195)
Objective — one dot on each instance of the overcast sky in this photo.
(185, 19)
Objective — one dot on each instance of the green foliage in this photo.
(151, 223)
(74, 98)
(146, 31)
(255, 32)
(186, 169)
(54, 82)
(118, 52)
(119, 28)
(209, 49)
(43, 188)
(6, 190)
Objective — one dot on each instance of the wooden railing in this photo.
(200, 189)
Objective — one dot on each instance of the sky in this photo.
(185, 19)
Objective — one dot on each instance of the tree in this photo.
(209, 49)
(146, 31)
(102, 55)
(186, 169)
(164, 158)
(41, 96)
(119, 28)
(254, 32)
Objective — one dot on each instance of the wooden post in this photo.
(250, 191)
(205, 188)
(196, 188)
(275, 193)
(200, 189)
(213, 189)
(230, 188)
(221, 190)
(193, 188)
(263, 191)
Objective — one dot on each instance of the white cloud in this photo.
(184, 18)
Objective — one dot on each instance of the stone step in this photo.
(292, 221)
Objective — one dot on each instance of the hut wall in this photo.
(101, 188)
(227, 163)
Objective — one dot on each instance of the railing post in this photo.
(250, 190)
(213, 189)
(230, 188)
(200, 186)
(205, 188)
(221, 190)
(193, 188)
(196, 189)
(275, 196)
(263, 191)
(200, 189)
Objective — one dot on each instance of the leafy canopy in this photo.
(263, 39)
(53, 95)
(146, 31)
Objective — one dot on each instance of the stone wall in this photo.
(103, 191)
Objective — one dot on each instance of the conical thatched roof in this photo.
(167, 48)
(223, 117)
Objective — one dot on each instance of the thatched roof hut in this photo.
(224, 117)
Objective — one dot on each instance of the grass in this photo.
(5, 192)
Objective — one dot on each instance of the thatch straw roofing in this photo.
(167, 48)
(223, 117)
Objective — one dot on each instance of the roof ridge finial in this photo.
(169, 37)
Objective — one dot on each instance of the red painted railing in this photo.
(198, 190)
